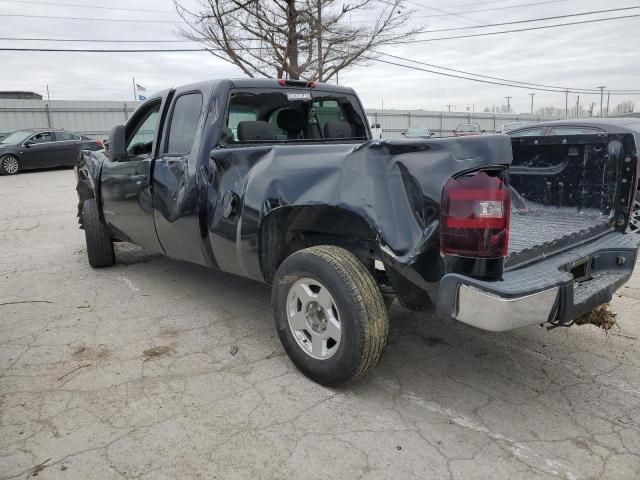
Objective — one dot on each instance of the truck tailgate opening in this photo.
(563, 192)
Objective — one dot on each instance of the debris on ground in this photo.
(233, 350)
(38, 468)
(601, 316)
(156, 352)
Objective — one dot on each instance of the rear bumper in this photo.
(546, 291)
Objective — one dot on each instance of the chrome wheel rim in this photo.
(10, 164)
(314, 319)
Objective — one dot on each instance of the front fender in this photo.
(88, 179)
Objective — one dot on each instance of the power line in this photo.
(559, 88)
(115, 50)
(60, 4)
(90, 19)
(518, 30)
(467, 12)
(555, 17)
(90, 40)
(413, 67)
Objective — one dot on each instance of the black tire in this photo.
(4, 167)
(634, 221)
(99, 243)
(364, 321)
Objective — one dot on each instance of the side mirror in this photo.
(482, 131)
(431, 134)
(403, 134)
(28, 143)
(117, 144)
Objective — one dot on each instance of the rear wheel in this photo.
(330, 314)
(9, 165)
(99, 243)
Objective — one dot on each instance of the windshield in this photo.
(16, 137)
(293, 115)
(468, 127)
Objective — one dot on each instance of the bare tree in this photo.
(308, 39)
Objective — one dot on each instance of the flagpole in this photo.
(135, 97)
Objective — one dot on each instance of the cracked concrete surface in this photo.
(158, 369)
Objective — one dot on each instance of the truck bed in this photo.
(562, 190)
(549, 229)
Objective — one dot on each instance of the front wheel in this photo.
(99, 243)
(9, 165)
(330, 314)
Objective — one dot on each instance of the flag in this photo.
(141, 97)
(140, 87)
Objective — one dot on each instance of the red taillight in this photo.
(475, 216)
(99, 143)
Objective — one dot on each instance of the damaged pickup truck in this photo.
(279, 181)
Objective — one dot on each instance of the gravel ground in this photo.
(156, 368)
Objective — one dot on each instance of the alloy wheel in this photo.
(314, 319)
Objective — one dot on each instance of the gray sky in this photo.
(581, 56)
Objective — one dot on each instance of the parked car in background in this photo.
(507, 127)
(417, 132)
(586, 126)
(40, 148)
(466, 129)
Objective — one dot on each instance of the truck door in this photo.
(175, 207)
(125, 192)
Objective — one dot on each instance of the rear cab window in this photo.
(183, 123)
(292, 115)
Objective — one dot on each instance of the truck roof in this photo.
(270, 83)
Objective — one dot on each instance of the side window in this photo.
(184, 123)
(529, 132)
(237, 114)
(573, 130)
(43, 137)
(141, 140)
(66, 136)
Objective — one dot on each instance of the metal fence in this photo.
(394, 122)
(95, 119)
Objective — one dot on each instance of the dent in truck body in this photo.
(394, 187)
(88, 175)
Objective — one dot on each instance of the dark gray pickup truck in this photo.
(279, 181)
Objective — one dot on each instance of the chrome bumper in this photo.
(497, 314)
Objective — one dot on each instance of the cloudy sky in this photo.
(578, 56)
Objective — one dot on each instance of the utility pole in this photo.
(578, 106)
(532, 95)
(319, 26)
(566, 103)
(48, 98)
(449, 107)
(508, 104)
(601, 95)
(608, 98)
